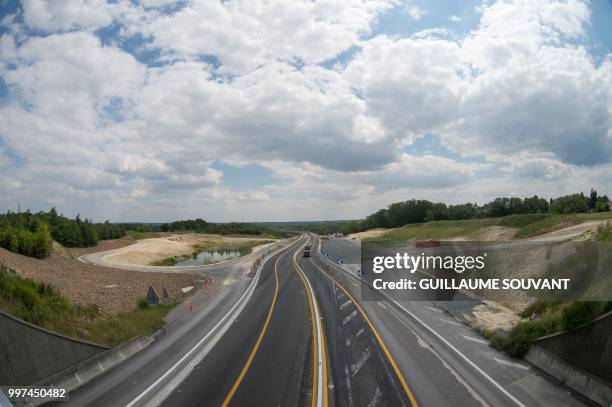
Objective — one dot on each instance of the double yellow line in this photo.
(382, 344)
(318, 338)
(315, 320)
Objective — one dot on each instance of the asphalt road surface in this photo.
(297, 332)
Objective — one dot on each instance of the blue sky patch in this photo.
(251, 176)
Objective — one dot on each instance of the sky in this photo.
(277, 110)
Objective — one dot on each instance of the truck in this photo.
(306, 251)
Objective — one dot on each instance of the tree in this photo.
(592, 199)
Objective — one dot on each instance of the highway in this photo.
(297, 333)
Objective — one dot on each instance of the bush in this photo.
(142, 303)
(604, 232)
(540, 307)
(579, 313)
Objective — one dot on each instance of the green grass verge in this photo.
(552, 316)
(443, 229)
(142, 235)
(526, 226)
(168, 261)
(43, 305)
(243, 247)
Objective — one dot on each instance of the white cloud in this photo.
(245, 35)
(414, 12)
(454, 18)
(62, 15)
(89, 126)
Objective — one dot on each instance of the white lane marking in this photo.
(231, 314)
(348, 386)
(349, 317)
(356, 367)
(359, 333)
(448, 321)
(471, 338)
(346, 304)
(320, 376)
(375, 398)
(348, 342)
(441, 338)
(381, 305)
(505, 362)
(432, 308)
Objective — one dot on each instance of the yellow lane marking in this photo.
(396, 369)
(247, 365)
(298, 271)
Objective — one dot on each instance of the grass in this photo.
(243, 247)
(443, 229)
(168, 261)
(142, 235)
(604, 232)
(43, 305)
(551, 316)
(526, 226)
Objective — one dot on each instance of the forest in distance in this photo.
(32, 234)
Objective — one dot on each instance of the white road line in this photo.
(348, 386)
(345, 304)
(447, 343)
(381, 305)
(321, 374)
(227, 320)
(432, 308)
(349, 317)
(471, 338)
(375, 398)
(505, 362)
(356, 367)
(359, 333)
(448, 321)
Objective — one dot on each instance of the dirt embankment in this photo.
(102, 245)
(147, 251)
(113, 290)
(368, 234)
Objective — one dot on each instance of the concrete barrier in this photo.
(576, 379)
(29, 353)
(76, 376)
(581, 358)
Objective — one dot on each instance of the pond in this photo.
(209, 257)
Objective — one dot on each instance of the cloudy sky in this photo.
(156, 110)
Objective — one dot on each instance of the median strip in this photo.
(319, 391)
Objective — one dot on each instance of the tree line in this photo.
(416, 211)
(31, 234)
(232, 228)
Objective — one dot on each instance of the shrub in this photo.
(579, 313)
(142, 303)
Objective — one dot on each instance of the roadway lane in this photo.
(360, 373)
(148, 375)
(262, 359)
(451, 355)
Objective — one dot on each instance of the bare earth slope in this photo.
(114, 290)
